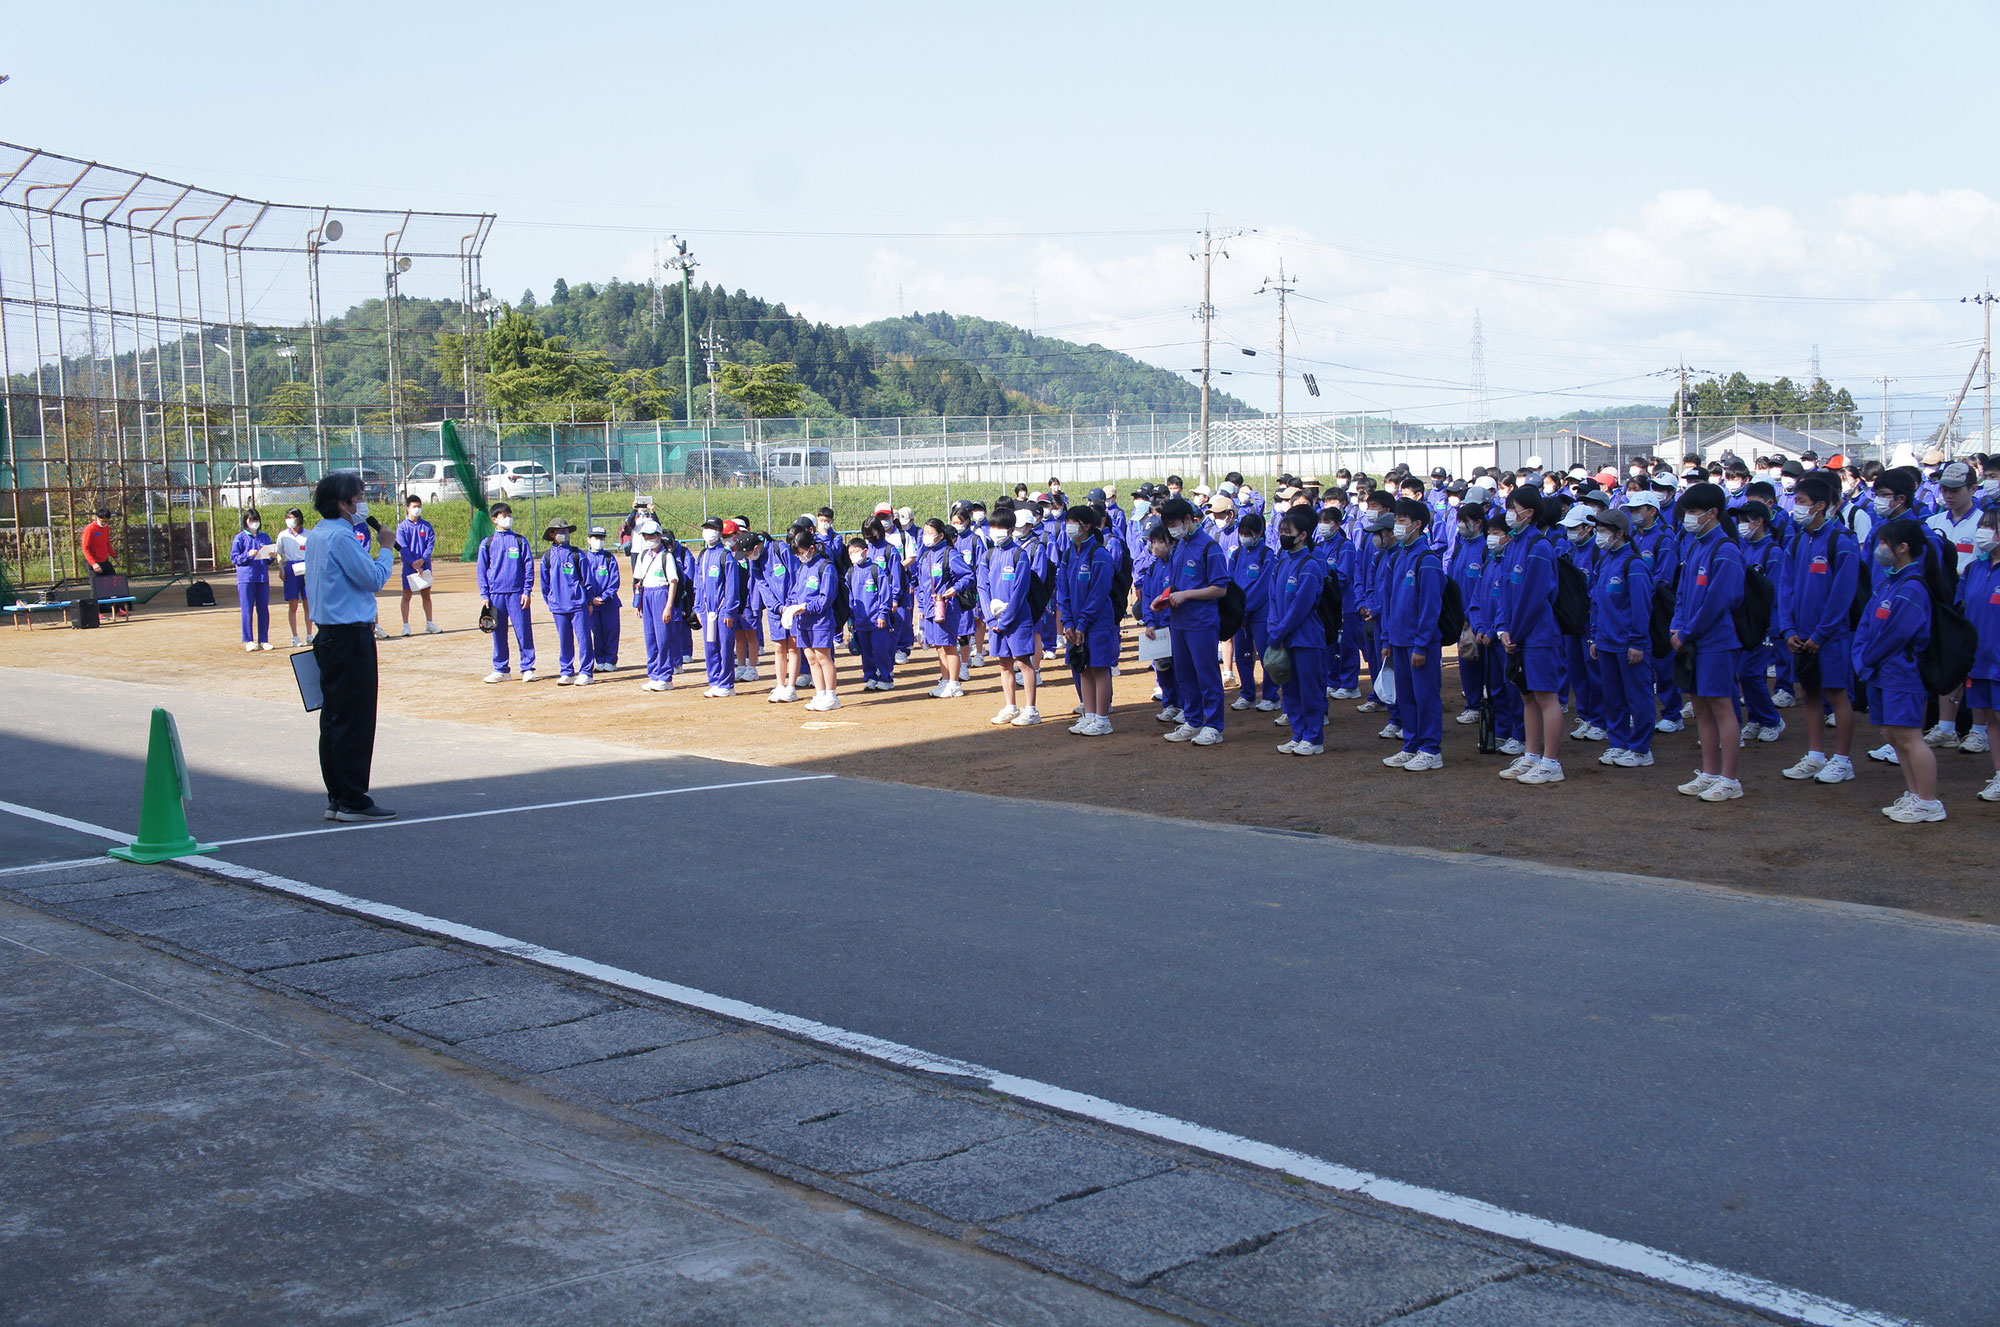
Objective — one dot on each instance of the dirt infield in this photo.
(1782, 838)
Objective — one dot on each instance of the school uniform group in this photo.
(1768, 603)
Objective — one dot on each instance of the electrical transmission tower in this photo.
(1478, 369)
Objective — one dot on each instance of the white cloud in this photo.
(1960, 223)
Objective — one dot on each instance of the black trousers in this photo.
(345, 653)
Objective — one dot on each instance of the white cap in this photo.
(1643, 498)
(649, 527)
(1534, 463)
(1578, 472)
(1576, 516)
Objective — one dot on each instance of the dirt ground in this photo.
(1782, 838)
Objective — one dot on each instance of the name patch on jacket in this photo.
(1818, 567)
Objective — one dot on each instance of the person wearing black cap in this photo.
(566, 590)
(1762, 551)
(96, 541)
(602, 576)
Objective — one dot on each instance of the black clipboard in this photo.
(305, 670)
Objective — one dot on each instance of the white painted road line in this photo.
(1604, 1250)
(64, 822)
(512, 810)
(71, 863)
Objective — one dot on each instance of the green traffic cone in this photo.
(163, 826)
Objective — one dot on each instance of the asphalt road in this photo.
(1802, 1092)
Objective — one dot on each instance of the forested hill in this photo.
(1055, 374)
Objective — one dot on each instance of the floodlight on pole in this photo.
(685, 262)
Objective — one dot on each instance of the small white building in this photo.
(1753, 439)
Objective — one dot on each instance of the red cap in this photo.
(731, 526)
(1836, 462)
(884, 509)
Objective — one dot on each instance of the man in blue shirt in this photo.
(345, 581)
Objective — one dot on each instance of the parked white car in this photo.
(513, 480)
(791, 466)
(264, 484)
(433, 481)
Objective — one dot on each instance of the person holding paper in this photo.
(253, 553)
(292, 564)
(416, 540)
(345, 581)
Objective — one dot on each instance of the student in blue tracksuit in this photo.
(506, 578)
(1761, 551)
(566, 590)
(809, 614)
(1382, 575)
(1297, 580)
(1006, 580)
(1894, 630)
(1621, 640)
(1711, 588)
(1979, 597)
(968, 541)
(768, 598)
(1089, 617)
(718, 602)
(680, 631)
(1248, 567)
(871, 605)
(1463, 563)
(1411, 603)
(1154, 614)
(416, 542)
(1525, 625)
(253, 552)
(1197, 577)
(939, 575)
(1482, 612)
(1344, 652)
(658, 584)
(1579, 549)
(1813, 619)
(1659, 548)
(602, 576)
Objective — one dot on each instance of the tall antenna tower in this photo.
(1815, 367)
(1034, 311)
(656, 303)
(1478, 369)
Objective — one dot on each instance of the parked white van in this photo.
(434, 481)
(264, 484)
(792, 466)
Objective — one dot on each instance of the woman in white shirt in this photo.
(656, 586)
(292, 558)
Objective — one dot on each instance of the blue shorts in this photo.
(295, 584)
(1982, 693)
(814, 631)
(1016, 643)
(1103, 646)
(1715, 673)
(776, 630)
(1836, 664)
(1543, 667)
(1897, 709)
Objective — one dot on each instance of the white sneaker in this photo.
(1467, 716)
(1100, 726)
(1520, 767)
(1943, 735)
(1722, 790)
(1282, 722)
(263, 645)
(1391, 731)
(249, 647)
(1914, 810)
(406, 628)
(1811, 763)
(1424, 760)
(1634, 759)
(1668, 726)
(964, 671)
(1208, 737)
(565, 680)
(1240, 703)
(654, 684)
(1229, 679)
(1832, 722)
(1976, 743)
(1345, 693)
(1513, 746)
(297, 643)
(1369, 706)
(1171, 714)
(952, 691)
(1596, 734)
(1610, 756)
(777, 696)
(1839, 769)
(723, 693)
(1783, 699)
(1750, 732)
(1007, 715)
(1159, 694)
(1991, 792)
(381, 634)
(1307, 748)
(528, 675)
(496, 677)
(1076, 708)
(1543, 772)
(1580, 733)
(1687, 709)
(1185, 733)
(1886, 754)
(978, 659)
(935, 691)
(1771, 734)
(1400, 759)
(1287, 749)
(831, 700)
(1267, 706)
(1698, 785)
(433, 629)
(902, 656)
(1081, 724)
(583, 679)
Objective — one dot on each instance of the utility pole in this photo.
(1283, 289)
(685, 261)
(1681, 408)
(1986, 298)
(1885, 380)
(1207, 323)
(1478, 368)
(710, 347)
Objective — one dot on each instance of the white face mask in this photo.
(416, 512)
(654, 543)
(503, 522)
(711, 537)
(1513, 518)
(1493, 542)
(1073, 531)
(1791, 484)
(999, 536)
(1989, 488)
(361, 511)
(252, 526)
(1735, 486)
(1603, 538)
(1883, 556)
(1983, 540)
(1580, 535)
(596, 544)
(1403, 529)
(1691, 523)
(291, 522)
(1882, 506)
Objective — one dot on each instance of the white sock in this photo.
(1550, 762)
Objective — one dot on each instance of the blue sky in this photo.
(1410, 164)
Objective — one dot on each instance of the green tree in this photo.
(644, 394)
(766, 391)
(289, 404)
(1820, 406)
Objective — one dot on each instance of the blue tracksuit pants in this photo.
(510, 612)
(1420, 698)
(878, 652)
(658, 635)
(1663, 686)
(1508, 724)
(1250, 646)
(1199, 672)
(604, 634)
(1163, 677)
(573, 641)
(718, 648)
(1583, 680)
(254, 599)
(1347, 657)
(1628, 700)
(1757, 702)
(1304, 696)
(1468, 682)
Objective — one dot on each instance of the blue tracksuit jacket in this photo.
(1893, 631)
(564, 586)
(1296, 581)
(1621, 604)
(1979, 596)
(506, 565)
(1412, 598)
(602, 574)
(1527, 604)
(718, 582)
(1711, 587)
(1817, 591)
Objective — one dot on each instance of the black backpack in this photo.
(1231, 608)
(1121, 584)
(1572, 598)
(1753, 614)
(1330, 608)
(1946, 661)
(201, 595)
(1451, 613)
(1660, 620)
